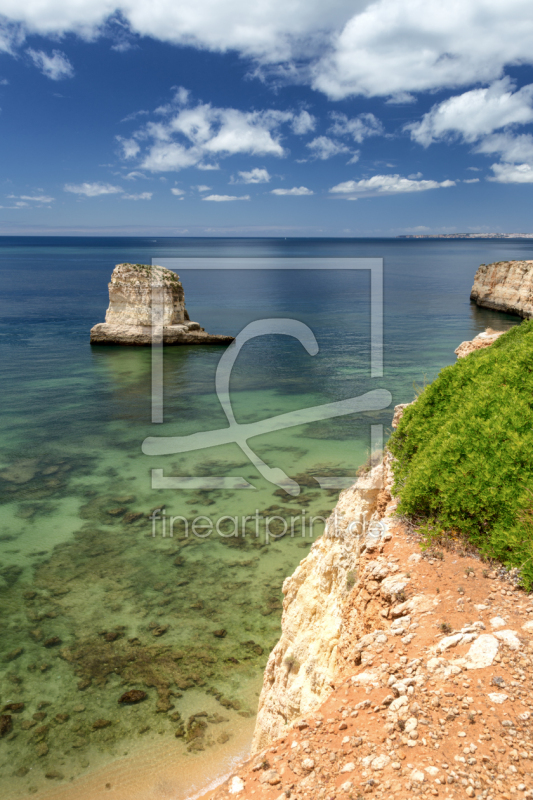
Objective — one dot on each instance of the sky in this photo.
(271, 118)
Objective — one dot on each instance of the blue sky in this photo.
(275, 118)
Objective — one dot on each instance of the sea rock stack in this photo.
(505, 286)
(129, 318)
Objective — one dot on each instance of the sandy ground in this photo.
(406, 721)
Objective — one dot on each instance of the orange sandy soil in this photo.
(464, 744)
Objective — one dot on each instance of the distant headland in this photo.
(466, 236)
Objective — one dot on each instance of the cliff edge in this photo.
(505, 286)
(129, 317)
(301, 670)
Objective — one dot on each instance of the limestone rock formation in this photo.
(300, 670)
(505, 286)
(484, 339)
(129, 317)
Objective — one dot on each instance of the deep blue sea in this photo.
(95, 599)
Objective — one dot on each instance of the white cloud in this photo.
(130, 148)
(392, 46)
(475, 113)
(92, 189)
(140, 196)
(207, 166)
(131, 176)
(203, 188)
(177, 191)
(323, 147)
(471, 180)
(187, 136)
(57, 66)
(255, 175)
(509, 147)
(401, 99)
(295, 191)
(225, 198)
(134, 114)
(303, 123)
(386, 184)
(41, 198)
(359, 128)
(512, 173)
(347, 47)
(415, 175)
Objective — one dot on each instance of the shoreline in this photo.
(154, 772)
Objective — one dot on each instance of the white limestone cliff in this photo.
(129, 318)
(505, 286)
(302, 667)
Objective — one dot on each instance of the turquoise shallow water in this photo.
(93, 604)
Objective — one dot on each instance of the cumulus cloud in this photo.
(476, 113)
(359, 128)
(303, 123)
(177, 192)
(92, 189)
(400, 99)
(393, 46)
(512, 173)
(140, 196)
(57, 66)
(225, 198)
(186, 134)
(508, 146)
(295, 191)
(130, 148)
(323, 147)
(471, 180)
(189, 136)
(255, 175)
(388, 48)
(386, 184)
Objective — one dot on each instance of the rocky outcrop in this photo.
(505, 286)
(301, 669)
(129, 318)
(482, 340)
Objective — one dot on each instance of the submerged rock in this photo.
(133, 696)
(129, 318)
(6, 724)
(98, 724)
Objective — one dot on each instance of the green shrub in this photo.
(464, 452)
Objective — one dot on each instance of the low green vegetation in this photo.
(464, 453)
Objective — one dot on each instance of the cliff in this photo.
(399, 673)
(505, 286)
(129, 315)
(301, 669)
(479, 342)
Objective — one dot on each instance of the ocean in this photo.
(97, 598)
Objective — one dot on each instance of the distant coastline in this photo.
(466, 236)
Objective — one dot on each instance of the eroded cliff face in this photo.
(129, 318)
(302, 667)
(505, 286)
(130, 296)
(479, 342)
